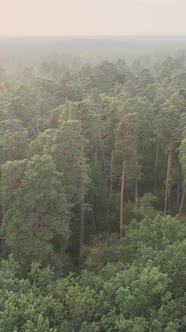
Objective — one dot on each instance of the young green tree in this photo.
(67, 146)
(35, 209)
(70, 159)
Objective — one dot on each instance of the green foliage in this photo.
(146, 203)
(145, 292)
(13, 140)
(73, 137)
(35, 208)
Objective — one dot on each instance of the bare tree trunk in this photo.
(167, 189)
(136, 198)
(178, 187)
(111, 173)
(82, 232)
(156, 166)
(93, 221)
(103, 160)
(182, 201)
(122, 198)
(96, 154)
(63, 253)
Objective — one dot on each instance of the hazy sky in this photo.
(92, 17)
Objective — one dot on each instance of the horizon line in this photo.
(95, 36)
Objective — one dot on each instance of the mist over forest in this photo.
(16, 53)
(93, 184)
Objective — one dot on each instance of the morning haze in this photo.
(88, 17)
(92, 165)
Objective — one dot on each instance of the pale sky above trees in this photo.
(92, 17)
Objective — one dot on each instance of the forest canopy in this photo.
(92, 187)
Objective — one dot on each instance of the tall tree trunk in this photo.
(182, 201)
(111, 172)
(82, 232)
(136, 198)
(122, 198)
(156, 166)
(167, 189)
(178, 187)
(93, 221)
(63, 253)
(96, 154)
(103, 160)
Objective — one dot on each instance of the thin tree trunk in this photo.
(93, 221)
(103, 160)
(96, 154)
(122, 198)
(156, 166)
(167, 189)
(178, 186)
(136, 198)
(82, 232)
(182, 201)
(63, 253)
(111, 173)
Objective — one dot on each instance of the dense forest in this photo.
(93, 186)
